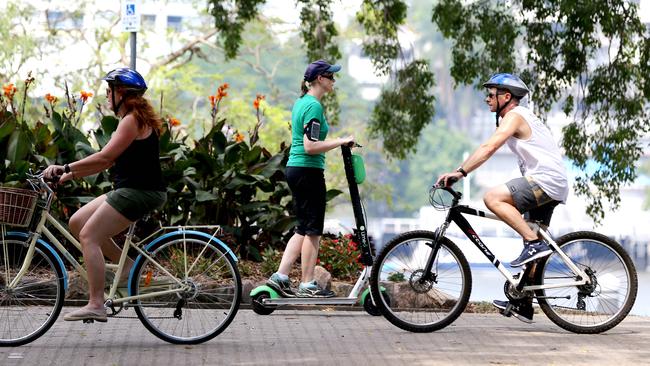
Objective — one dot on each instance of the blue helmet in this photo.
(509, 82)
(126, 77)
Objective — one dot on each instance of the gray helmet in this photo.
(509, 82)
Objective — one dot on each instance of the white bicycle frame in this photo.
(42, 229)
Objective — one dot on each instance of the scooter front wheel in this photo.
(370, 307)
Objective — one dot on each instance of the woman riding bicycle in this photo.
(133, 152)
(306, 180)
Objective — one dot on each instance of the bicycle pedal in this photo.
(505, 312)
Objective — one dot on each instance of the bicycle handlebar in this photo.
(457, 195)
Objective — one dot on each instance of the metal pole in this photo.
(133, 49)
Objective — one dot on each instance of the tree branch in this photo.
(188, 47)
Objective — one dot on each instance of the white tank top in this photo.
(539, 156)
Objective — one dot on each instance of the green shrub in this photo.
(220, 179)
(271, 258)
(396, 277)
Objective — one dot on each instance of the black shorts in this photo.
(531, 200)
(308, 191)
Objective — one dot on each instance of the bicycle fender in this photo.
(264, 288)
(179, 233)
(366, 292)
(49, 248)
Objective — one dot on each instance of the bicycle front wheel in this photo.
(594, 307)
(29, 307)
(210, 287)
(421, 302)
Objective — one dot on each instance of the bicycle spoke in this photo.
(600, 304)
(29, 308)
(210, 298)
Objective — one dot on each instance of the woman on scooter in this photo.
(305, 177)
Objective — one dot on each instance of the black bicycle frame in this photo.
(361, 230)
(455, 214)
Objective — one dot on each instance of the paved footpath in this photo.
(299, 337)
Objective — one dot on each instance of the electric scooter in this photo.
(266, 300)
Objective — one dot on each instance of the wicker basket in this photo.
(16, 206)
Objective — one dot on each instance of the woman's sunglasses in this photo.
(328, 76)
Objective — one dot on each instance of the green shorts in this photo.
(135, 203)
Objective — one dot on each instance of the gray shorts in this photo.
(531, 200)
(135, 203)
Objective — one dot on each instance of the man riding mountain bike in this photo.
(543, 184)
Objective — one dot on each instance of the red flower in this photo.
(258, 99)
(9, 90)
(85, 95)
(50, 98)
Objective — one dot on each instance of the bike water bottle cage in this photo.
(312, 130)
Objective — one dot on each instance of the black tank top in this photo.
(139, 165)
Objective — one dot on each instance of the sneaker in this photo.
(283, 287)
(311, 289)
(532, 252)
(521, 310)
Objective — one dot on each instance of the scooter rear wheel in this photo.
(258, 306)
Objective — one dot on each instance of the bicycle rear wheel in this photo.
(212, 289)
(30, 307)
(420, 302)
(592, 308)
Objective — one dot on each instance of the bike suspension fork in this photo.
(435, 246)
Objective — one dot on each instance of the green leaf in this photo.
(18, 147)
(7, 128)
(202, 196)
(109, 124)
(241, 180)
(57, 121)
(84, 148)
(332, 193)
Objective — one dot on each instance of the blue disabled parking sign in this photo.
(130, 16)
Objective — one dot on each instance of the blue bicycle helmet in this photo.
(127, 79)
(512, 83)
(509, 82)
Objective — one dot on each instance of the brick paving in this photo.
(320, 337)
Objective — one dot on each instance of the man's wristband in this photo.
(461, 171)
(66, 168)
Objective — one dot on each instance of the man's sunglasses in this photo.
(492, 95)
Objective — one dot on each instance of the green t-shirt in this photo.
(304, 110)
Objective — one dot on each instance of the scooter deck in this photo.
(310, 301)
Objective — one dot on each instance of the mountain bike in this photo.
(184, 284)
(587, 285)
